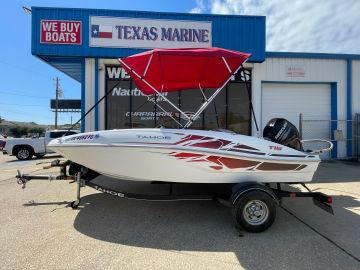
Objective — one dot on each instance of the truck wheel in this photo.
(254, 211)
(24, 153)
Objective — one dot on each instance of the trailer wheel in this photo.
(24, 153)
(75, 204)
(254, 211)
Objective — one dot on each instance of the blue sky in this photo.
(26, 82)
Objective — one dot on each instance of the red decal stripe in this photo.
(214, 159)
(189, 138)
(187, 155)
(233, 163)
(268, 166)
(216, 167)
(212, 144)
(243, 146)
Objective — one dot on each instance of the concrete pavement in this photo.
(40, 231)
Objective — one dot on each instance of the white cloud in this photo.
(300, 25)
(200, 7)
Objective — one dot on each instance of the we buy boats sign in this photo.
(60, 32)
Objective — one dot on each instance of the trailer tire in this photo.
(254, 211)
(75, 204)
(39, 155)
(24, 152)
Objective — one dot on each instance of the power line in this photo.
(28, 114)
(24, 68)
(13, 104)
(23, 95)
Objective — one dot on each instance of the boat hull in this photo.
(149, 156)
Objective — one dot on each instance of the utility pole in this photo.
(57, 94)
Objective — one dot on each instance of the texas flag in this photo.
(101, 31)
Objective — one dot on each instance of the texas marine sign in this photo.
(93, 33)
(145, 33)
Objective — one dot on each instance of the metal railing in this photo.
(334, 131)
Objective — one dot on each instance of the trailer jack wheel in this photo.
(75, 204)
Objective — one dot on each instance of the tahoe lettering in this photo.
(153, 137)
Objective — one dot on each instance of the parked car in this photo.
(26, 148)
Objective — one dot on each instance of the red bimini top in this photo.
(169, 70)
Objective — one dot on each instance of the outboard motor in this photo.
(281, 131)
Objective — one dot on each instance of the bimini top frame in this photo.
(166, 64)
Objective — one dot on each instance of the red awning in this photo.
(180, 69)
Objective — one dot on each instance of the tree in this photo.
(15, 132)
(36, 130)
(20, 131)
(23, 131)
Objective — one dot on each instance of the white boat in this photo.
(185, 155)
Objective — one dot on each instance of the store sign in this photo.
(295, 71)
(60, 32)
(145, 33)
(118, 73)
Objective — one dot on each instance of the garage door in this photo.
(289, 100)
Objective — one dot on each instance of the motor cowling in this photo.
(280, 130)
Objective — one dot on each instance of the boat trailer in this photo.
(249, 200)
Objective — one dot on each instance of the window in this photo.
(190, 101)
(118, 104)
(238, 117)
(127, 107)
(215, 113)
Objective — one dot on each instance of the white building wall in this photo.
(316, 70)
(355, 86)
(89, 93)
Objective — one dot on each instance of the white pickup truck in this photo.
(26, 148)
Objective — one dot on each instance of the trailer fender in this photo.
(240, 189)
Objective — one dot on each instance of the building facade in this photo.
(319, 93)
